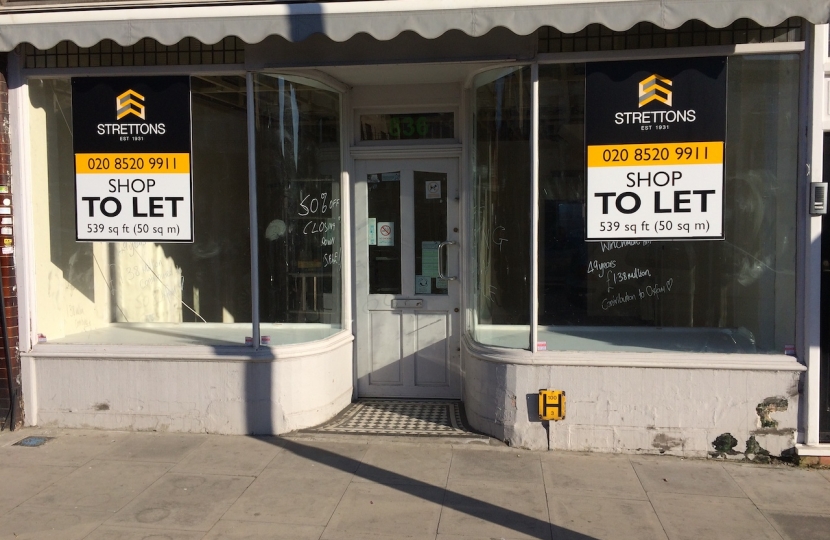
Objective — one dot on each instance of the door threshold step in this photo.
(400, 417)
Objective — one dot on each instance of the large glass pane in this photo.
(500, 284)
(384, 232)
(736, 295)
(430, 198)
(145, 293)
(298, 198)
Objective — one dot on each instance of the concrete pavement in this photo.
(101, 485)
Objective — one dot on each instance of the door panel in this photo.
(406, 317)
(386, 368)
(432, 354)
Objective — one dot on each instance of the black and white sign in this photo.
(131, 138)
(655, 133)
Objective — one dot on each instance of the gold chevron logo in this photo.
(655, 88)
(130, 102)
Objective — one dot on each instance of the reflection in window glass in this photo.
(736, 295)
(298, 197)
(145, 293)
(500, 284)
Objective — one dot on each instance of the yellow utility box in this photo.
(551, 405)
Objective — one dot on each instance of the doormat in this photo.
(424, 418)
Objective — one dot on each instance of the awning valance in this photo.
(382, 19)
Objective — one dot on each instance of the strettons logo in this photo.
(655, 88)
(130, 102)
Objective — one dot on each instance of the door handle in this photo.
(441, 261)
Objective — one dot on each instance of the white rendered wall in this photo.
(630, 409)
(281, 390)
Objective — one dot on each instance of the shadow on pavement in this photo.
(503, 517)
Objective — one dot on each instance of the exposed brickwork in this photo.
(9, 285)
(814, 461)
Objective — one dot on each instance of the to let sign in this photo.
(655, 133)
(131, 138)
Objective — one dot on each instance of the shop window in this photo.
(500, 280)
(299, 206)
(735, 295)
(145, 293)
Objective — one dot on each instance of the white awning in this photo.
(383, 19)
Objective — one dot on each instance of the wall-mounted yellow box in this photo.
(551, 405)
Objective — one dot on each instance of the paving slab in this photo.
(247, 530)
(27, 482)
(183, 502)
(799, 526)
(154, 447)
(693, 477)
(343, 457)
(516, 466)
(341, 535)
(592, 475)
(68, 448)
(302, 496)
(232, 455)
(585, 516)
(405, 464)
(101, 484)
(773, 488)
(375, 509)
(495, 509)
(696, 517)
(480, 537)
(108, 532)
(33, 523)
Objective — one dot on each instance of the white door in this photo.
(406, 277)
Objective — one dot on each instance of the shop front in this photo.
(239, 230)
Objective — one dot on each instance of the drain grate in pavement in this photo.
(33, 441)
(400, 417)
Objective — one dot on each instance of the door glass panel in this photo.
(430, 198)
(384, 232)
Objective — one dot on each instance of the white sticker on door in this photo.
(433, 188)
(386, 233)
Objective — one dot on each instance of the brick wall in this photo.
(9, 288)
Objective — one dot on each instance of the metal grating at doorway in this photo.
(400, 417)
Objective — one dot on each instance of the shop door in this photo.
(824, 366)
(406, 276)
(824, 384)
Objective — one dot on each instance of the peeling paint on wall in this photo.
(724, 445)
(755, 452)
(665, 443)
(769, 406)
